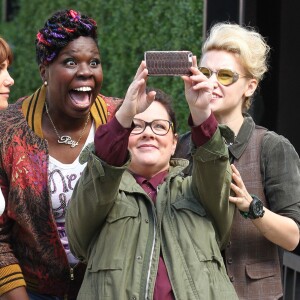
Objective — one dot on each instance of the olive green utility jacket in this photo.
(114, 226)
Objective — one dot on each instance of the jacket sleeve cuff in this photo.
(203, 133)
(11, 277)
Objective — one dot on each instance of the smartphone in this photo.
(168, 63)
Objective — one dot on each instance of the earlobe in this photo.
(43, 72)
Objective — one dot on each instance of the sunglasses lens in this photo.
(225, 77)
(205, 72)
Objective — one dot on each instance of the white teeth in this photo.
(83, 89)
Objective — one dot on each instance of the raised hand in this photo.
(198, 93)
(136, 99)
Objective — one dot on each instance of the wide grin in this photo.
(81, 96)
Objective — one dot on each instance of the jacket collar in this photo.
(33, 106)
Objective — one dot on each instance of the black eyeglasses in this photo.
(224, 76)
(159, 127)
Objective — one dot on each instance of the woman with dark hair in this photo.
(133, 217)
(41, 138)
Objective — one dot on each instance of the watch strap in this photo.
(245, 214)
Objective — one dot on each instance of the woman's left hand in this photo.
(280, 230)
(242, 198)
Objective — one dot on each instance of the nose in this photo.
(214, 79)
(84, 70)
(213, 75)
(148, 131)
(8, 81)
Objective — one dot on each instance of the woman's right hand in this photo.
(136, 99)
(198, 94)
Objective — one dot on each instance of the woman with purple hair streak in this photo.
(42, 136)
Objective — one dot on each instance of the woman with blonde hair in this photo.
(266, 166)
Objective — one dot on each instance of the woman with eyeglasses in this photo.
(266, 166)
(133, 217)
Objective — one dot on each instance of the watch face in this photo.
(256, 208)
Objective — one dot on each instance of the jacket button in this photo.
(139, 258)
(229, 244)
(146, 220)
(133, 298)
(229, 260)
(231, 278)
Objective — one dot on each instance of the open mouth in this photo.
(81, 97)
(215, 96)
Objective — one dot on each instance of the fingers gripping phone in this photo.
(168, 63)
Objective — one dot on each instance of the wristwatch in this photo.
(256, 209)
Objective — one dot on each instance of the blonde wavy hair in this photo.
(247, 43)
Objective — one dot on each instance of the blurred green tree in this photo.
(127, 29)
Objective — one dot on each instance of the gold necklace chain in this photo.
(66, 139)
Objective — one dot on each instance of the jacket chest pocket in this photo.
(193, 227)
(111, 245)
(113, 250)
(189, 204)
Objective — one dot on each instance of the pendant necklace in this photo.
(66, 139)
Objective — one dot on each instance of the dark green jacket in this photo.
(114, 226)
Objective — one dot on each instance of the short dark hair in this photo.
(59, 30)
(167, 102)
(5, 52)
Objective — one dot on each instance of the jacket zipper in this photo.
(152, 251)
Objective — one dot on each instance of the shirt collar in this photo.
(155, 181)
(242, 139)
